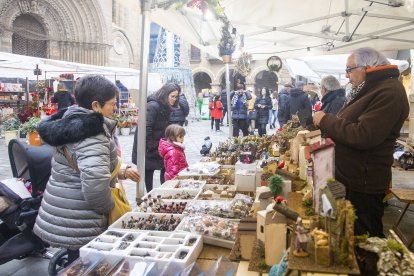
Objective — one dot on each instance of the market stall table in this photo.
(406, 196)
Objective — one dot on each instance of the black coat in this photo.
(263, 113)
(158, 118)
(63, 99)
(333, 101)
(179, 113)
(300, 105)
(224, 98)
(283, 109)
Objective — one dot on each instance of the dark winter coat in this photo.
(224, 99)
(300, 105)
(263, 113)
(365, 131)
(174, 158)
(63, 99)
(158, 118)
(241, 111)
(75, 205)
(283, 110)
(179, 113)
(333, 101)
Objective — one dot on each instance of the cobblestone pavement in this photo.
(196, 131)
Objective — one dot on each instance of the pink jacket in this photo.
(174, 158)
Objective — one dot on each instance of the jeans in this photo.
(149, 178)
(217, 121)
(262, 129)
(240, 124)
(272, 116)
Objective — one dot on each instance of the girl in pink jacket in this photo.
(172, 149)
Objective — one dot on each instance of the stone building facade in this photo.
(99, 32)
(103, 32)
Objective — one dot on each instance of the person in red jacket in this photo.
(171, 148)
(216, 112)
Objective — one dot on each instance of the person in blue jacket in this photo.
(238, 104)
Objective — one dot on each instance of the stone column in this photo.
(6, 41)
(215, 87)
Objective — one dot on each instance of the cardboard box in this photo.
(245, 182)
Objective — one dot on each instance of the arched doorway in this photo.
(29, 37)
(266, 79)
(201, 81)
(234, 78)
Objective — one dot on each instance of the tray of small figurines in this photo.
(217, 192)
(152, 246)
(201, 169)
(183, 184)
(165, 195)
(216, 231)
(237, 208)
(93, 264)
(157, 205)
(137, 221)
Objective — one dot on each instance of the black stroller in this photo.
(16, 237)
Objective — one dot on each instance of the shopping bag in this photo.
(121, 206)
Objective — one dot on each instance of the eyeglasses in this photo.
(349, 70)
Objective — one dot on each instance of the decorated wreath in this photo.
(274, 63)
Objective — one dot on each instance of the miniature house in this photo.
(271, 232)
(322, 155)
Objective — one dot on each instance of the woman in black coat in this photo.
(159, 107)
(262, 105)
(181, 111)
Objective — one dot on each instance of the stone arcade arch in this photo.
(202, 80)
(23, 40)
(75, 30)
(266, 79)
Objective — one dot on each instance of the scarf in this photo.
(354, 92)
(236, 98)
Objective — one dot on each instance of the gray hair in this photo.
(330, 83)
(369, 57)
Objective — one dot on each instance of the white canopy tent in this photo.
(13, 66)
(292, 28)
(316, 67)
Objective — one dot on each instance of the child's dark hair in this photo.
(173, 131)
(94, 88)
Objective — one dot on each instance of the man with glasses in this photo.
(365, 131)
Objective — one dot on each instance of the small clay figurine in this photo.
(302, 238)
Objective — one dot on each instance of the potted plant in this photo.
(11, 129)
(124, 124)
(30, 127)
(226, 46)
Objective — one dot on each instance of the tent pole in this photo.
(142, 96)
(411, 100)
(228, 99)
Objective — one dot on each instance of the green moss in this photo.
(394, 245)
(330, 180)
(361, 238)
(262, 265)
(262, 251)
(343, 255)
(307, 202)
(309, 212)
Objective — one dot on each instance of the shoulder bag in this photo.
(122, 205)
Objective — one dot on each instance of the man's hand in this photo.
(318, 117)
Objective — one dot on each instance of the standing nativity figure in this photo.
(302, 238)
